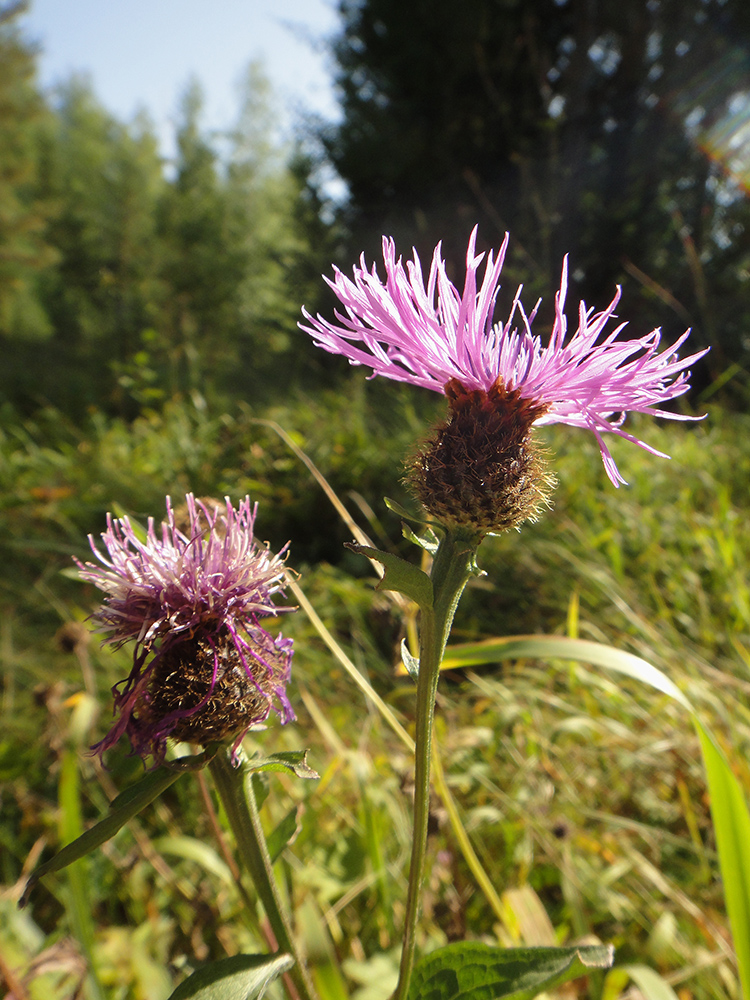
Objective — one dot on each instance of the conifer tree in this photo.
(24, 252)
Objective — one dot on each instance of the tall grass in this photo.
(584, 798)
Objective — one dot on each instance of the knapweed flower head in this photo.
(191, 597)
(500, 378)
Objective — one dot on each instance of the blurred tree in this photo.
(149, 284)
(24, 252)
(276, 217)
(579, 126)
(204, 262)
(240, 239)
(104, 178)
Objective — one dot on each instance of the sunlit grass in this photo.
(586, 793)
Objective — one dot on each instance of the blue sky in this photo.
(141, 53)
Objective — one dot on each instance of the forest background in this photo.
(149, 346)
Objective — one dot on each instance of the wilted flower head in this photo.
(191, 597)
(436, 337)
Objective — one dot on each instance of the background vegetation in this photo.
(148, 336)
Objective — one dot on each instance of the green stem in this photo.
(453, 565)
(235, 788)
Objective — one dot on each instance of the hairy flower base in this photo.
(206, 687)
(201, 688)
(481, 470)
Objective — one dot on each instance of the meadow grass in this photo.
(582, 794)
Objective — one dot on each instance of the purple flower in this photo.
(432, 336)
(191, 596)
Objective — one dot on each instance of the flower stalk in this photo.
(235, 787)
(453, 565)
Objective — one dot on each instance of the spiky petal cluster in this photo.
(191, 600)
(430, 335)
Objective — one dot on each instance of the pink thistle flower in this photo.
(432, 336)
(191, 600)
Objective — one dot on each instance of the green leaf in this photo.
(545, 647)
(400, 575)
(470, 970)
(732, 826)
(241, 977)
(127, 805)
(397, 508)
(429, 541)
(290, 762)
(411, 663)
(284, 834)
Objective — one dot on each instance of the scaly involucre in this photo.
(203, 589)
(430, 335)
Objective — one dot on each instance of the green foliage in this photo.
(25, 254)
(401, 576)
(732, 825)
(122, 809)
(242, 977)
(469, 970)
(145, 285)
(729, 810)
(587, 793)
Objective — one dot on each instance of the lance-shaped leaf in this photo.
(428, 540)
(284, 834)
(242, 977)
(127, 805)
(411, 663)
(288, 762)
(400, 575)
(397, 508)
(470, 970)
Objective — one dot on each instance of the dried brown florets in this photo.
(481, 470)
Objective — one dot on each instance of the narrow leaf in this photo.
(411, 663)
(400, 575)
(127, 805)
(397, 508)
(470, 970)
(517, 647)
(732, 826)
(428, 541)
(292, 761)
(242, 977)
(284, 834)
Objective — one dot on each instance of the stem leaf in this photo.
(284, 834)
(397, 508)
(123, 808)
(288, 762)
(411, 663)
(242, 977)
(428, 541)
(400, 575)
(470, 970)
